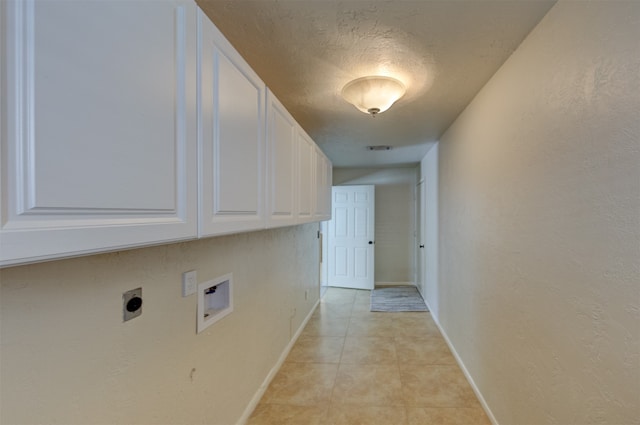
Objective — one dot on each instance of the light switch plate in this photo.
(189, 283)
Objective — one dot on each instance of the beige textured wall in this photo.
(67, 357)
(394, 218)
(539, 194)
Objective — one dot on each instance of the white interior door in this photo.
(421, 240)
(351, 237)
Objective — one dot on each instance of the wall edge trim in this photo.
(466, 373)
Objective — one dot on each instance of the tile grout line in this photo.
(335, 379)
(402, 381)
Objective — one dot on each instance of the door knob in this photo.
(421, 246)
(370, 242)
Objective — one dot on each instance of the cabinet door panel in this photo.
(238, 142)
(281, 164)
(327, 190)
(306, 187)
(320, 181)
(323, 187)
(232, 127)
(99, 147)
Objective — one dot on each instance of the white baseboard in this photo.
(274, 370)
(395, 284)
(483, 402)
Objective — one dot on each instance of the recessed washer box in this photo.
(215, 300)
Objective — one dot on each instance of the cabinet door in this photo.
(320, 171)
(306, 184)
(98, 141)
(232, 127)
(323, 187)
(327, 190)
(282, 166)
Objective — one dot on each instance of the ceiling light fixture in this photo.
(373, 95)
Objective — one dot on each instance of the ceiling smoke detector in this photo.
(373, 95)
(379, 148)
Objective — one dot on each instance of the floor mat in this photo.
(397, 298)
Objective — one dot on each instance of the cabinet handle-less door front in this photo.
(98, 151)
(232, 126)
(282, 165)
(306, 171)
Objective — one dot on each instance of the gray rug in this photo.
(397, 298)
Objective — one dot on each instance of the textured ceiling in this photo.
(443, 51)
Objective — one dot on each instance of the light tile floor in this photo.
(354, 367)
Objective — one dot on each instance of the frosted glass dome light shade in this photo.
(373, 95)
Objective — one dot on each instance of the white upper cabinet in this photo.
(231, 137)
(327, 190)
(282, 165)
(132, 123)
(323, 181)
(98, 147)
(306, 183)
